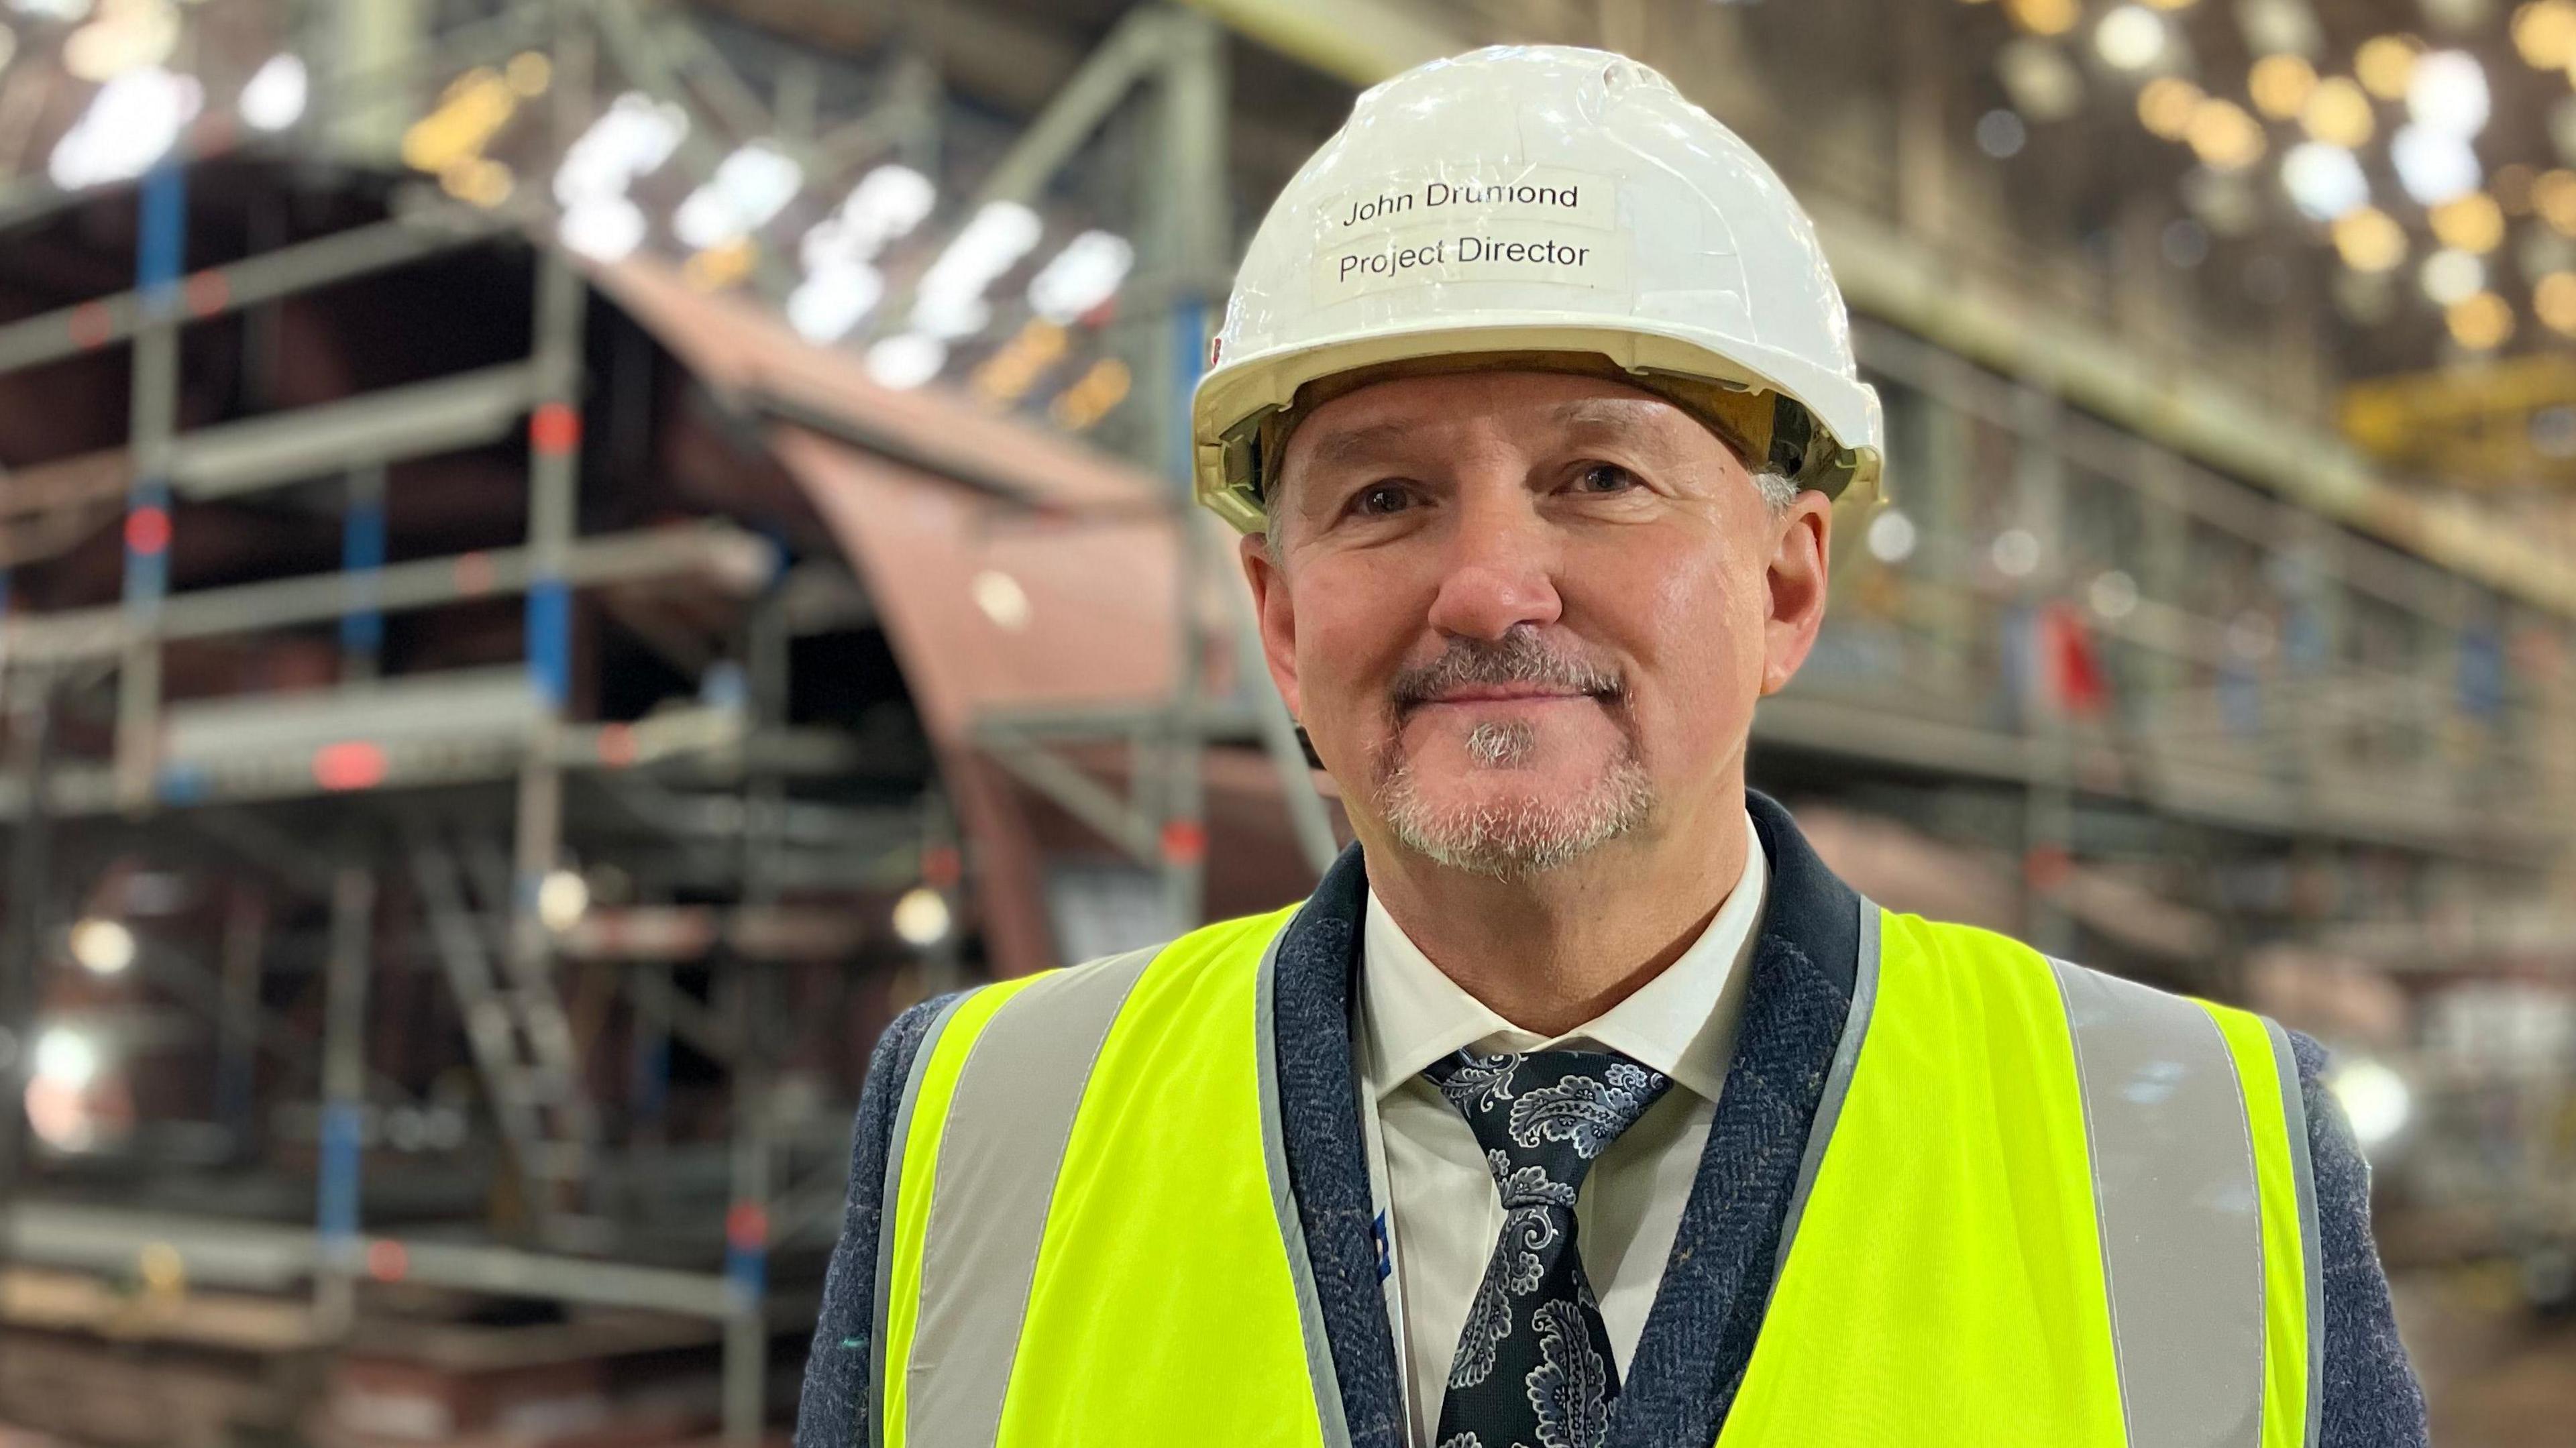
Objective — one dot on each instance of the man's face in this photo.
(1524, 614)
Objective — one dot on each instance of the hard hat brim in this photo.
(1234, 399)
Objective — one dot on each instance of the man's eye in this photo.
(1604, 478)
(1380, 499)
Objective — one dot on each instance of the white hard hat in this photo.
(1538, 206)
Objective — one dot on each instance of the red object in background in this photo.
(941, 868)
(388, 1260)
(554, 428)
(2073, 667)
(207, 292)
(90, 325)
(747, 1226)
(351, 764)
(1184, 842)
(147, 530)
(617, 746)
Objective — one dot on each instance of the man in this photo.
(1580, 1104)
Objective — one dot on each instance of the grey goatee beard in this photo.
(1509, 839)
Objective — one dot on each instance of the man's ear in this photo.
(1277, 616)
(1802, 542)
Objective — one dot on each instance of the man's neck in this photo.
(1554, 950)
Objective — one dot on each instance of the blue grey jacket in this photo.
(1699, 1334)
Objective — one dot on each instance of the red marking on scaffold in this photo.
(554, 428)
(617, 746)
(747, 1226)
(388, 1260)
(89, 324)
(1184, 842)
(474, 573)
(349, 764)
(147, 530)
(207, 293)
(942, 867)
(2047, 867)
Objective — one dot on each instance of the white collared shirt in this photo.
(1443, 1212)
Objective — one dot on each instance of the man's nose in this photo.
(1500, 569)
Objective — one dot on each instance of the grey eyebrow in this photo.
(1341, 448)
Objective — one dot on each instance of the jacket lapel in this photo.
(1700, 1333)
(1319, 1101)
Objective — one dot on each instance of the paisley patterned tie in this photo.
(1534, 1368)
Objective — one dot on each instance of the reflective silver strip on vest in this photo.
(1320, 1374)
(885, 1215)
(2294, 1110)
(999, 1156)
(1838, 1077)
(2180, 1211)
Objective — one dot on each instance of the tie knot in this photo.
(1552, 1110)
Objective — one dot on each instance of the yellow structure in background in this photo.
(2475, 424)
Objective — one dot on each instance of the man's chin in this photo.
(1513, 830)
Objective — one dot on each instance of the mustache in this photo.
(1521, 657)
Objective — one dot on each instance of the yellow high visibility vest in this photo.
(2040, 1205)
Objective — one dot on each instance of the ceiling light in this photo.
(831, 301)
(2324, 182)
(2385, 63)
(1892, 536)
(2553, 196)
(2338, 113)
(66, 1058)
(2284, 26)
(1001, 598)
(2043, 84)
(633, 137)
(275, 94)
(948, 303)
(563, 897)
(748, 188)
(2451, 276)
(2113, 595)
(132, 122)
(2281, 85)
(2553, 300)
(2166, 106)
(2224, 136)
(2130, 37)
(2481, 321)
(602, 228)
(2369, 241)
(126, 36)
(1081, 277)
(2472, 223)
(921, 917)
(2433, 166)
(2375, 1100)
(906, 360)
(2044, 17)
(887, 203)
(103, 947)
(2447, 92)
(2545, 33)
(2016, 553)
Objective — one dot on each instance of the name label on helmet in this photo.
(1499, 251)
(1535, 193)
(1470, 224)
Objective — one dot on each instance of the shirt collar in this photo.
(1682, 1022)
